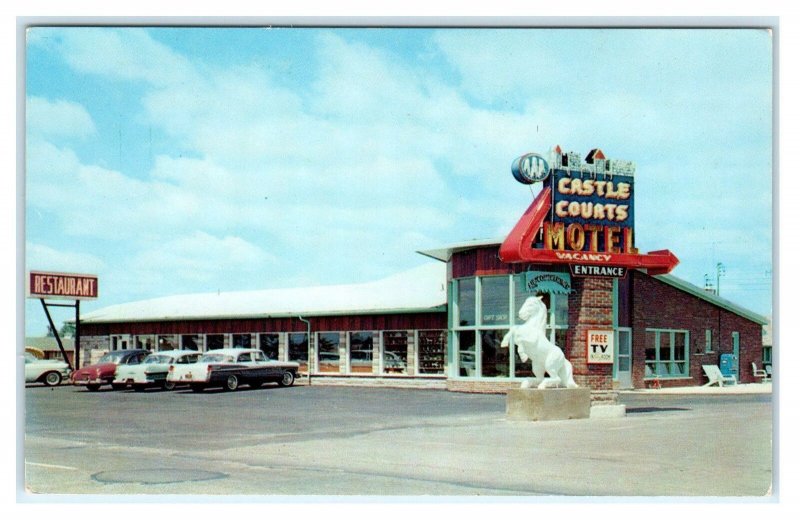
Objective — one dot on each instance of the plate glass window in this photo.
(167, 342)
(193, 342)
(494, 301)
(361, 352)
(242, 340)
(466, 302)
(298, 349)
(269, 343)
(431, 351)
(395, 352)
(328, 352)
(466, 354)
(215, 341)
(666, 353)
(147, 342)
(494, 359)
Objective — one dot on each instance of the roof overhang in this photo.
(444, 254)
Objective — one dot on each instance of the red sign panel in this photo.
(42, 284)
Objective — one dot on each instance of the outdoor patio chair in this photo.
(715, 376)
(768, 369)
(760, 373)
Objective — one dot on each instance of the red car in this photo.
(102, 373)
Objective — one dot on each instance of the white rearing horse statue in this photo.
(532, 342)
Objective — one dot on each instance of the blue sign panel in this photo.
(598, 199)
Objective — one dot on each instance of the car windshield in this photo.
(217, 358)
(158, 359)
(110, 357)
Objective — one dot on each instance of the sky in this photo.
(181, 160)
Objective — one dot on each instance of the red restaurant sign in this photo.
(43, 284)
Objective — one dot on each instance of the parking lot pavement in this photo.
(331, 441)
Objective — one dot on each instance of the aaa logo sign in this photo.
(599, 346)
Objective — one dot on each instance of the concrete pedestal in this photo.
(548, 404)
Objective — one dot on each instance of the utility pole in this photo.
(709, 287)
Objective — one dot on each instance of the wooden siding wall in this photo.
(486, 261)
(271, 325)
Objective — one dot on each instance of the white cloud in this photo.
(45, 258)
(124, 54)
(57, 119)
(200, 259)
(375, 152)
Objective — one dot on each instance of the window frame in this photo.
(552, 327)
(657, 363)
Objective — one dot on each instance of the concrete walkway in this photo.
(738, 389)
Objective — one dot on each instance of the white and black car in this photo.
(152, 371)
(49, 372)
(230, 368)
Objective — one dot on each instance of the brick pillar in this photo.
(590, 307)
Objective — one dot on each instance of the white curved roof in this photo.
(416, 290)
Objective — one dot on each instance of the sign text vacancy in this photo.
(43, 284)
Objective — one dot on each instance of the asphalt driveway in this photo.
(322, 441)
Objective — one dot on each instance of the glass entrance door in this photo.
(622, 365)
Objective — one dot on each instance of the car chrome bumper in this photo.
(88, 381)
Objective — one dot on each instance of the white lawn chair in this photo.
(760, 373)
(715, 376)
(768, 369)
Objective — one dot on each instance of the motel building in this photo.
(621, 319)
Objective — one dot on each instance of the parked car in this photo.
(152, 371)
(49, 372)
(102, 373)
(229, 368)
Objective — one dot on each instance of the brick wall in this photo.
(659, 305)
(92, 348)
(590, 307)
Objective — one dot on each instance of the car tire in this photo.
(93, 387)
(287, 379)
(231, 383)
(169, 386)
(197, 388)
(52, 378)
